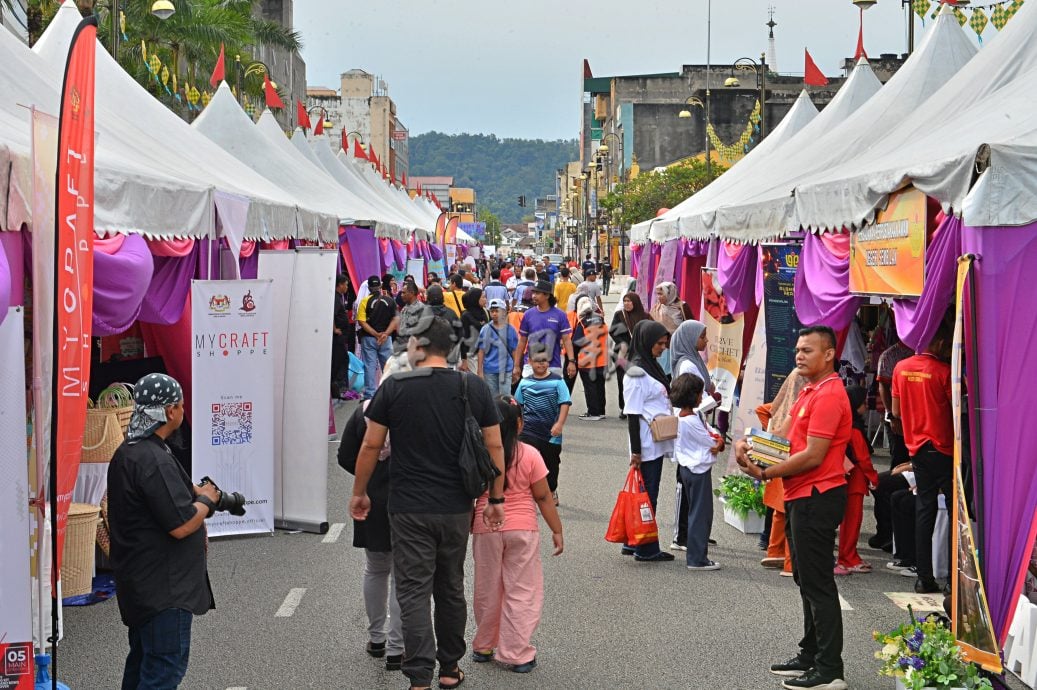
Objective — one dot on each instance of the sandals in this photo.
(482, 657)
(457, 674)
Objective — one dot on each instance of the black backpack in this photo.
(477, 468)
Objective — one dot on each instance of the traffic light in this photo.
(522, 201)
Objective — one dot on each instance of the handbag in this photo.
(663, 427)
(633, 520)
(477, 468)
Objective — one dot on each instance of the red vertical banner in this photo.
(73, 273)
(451, 230)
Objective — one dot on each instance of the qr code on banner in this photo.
(231, 423)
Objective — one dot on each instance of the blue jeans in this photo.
(500, 384)
(375, 356)
(698, 497)
(159, 651)
(652, 471)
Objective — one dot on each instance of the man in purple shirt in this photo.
(547, 325)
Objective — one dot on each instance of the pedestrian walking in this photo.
(606, 276)
(564, 286)
(670, 311)
(591, 342)
(815, 501)
(497, 342)
(509, 577)
(545, 403)
(473, 318)
(545, 325)
(378, 321)
(623, 322)
(343, 334)
(646, 390)
(859, 480)
(430, 514)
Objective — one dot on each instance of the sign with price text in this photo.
(887, 257)
(232, 431)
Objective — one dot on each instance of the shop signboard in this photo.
(887, 257)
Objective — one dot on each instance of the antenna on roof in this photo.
(772, 53)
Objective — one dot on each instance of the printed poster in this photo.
(233, 405)
(754, 380)
(416, 268)
(724, 330)
(667, 267)
(887, 257)
(780, 262)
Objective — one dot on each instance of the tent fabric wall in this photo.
(822, 282)
(1006, 309)
(737, 266)
(917, 320)
(121, 280)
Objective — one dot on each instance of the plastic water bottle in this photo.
(43, 680)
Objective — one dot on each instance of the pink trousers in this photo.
(509, 593)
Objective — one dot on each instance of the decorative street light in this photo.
(163, 9)
(323, 111)
(759, 69)
(685, 114)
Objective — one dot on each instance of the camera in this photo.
(231, 502)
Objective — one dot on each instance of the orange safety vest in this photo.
(592, 354)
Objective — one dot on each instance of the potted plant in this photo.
(922, 654)
(743, 503)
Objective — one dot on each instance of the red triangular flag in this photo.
(860, 41)
(404, 180)
(302, 116)
(272, 99)
(358, 150)
(587, 69)
(218, 72)
(319, 129)
(812, 76)
(344, 144)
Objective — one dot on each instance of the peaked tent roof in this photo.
(376, 185)
(665, 227)
(165, 142)
(177, 205)
(935, 147)
(855, 92)
(943, 51)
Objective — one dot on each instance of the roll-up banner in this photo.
(724, 331)
(780, 263)
(233, 401)
(303, 293)
(16, 654)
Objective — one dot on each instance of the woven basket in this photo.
(102, 435)
(77, 555)
(118, 398)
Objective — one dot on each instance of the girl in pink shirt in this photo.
(509, 579)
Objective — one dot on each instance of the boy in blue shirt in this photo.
(497, 340)
(545, 402)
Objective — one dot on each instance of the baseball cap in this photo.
(497, 303)
(374, 283)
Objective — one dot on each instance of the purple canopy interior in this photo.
(917, 320)
(120, 282)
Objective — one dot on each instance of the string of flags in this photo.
(978, 17)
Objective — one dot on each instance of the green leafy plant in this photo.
(741, 494)
(923, 653)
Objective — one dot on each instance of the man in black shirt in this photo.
(378, 322)
(344, 333)
(429, 512)
(156, 520)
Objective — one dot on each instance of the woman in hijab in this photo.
(590, 341)
(473, 318)
(623, 322)
(646, 392)
(670, 311)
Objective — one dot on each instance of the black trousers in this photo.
(897, 448)
(339, 364)
(594, 389)
(888, 484)
(902, 509)
(934, 474)
(552, 454)
(429, 552)
(570, 383)
(810, 527)
(619, 384)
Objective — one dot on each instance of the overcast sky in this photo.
(513, 68)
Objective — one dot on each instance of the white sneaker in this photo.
(674, 546)
(710, 565)
(592, 417)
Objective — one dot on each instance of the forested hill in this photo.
(500, 170)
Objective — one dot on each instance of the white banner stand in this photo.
(304, 299)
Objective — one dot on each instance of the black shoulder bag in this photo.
(477, 468)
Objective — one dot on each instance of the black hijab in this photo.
(646, 335)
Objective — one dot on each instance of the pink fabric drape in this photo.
(171, 247)
(822, 283)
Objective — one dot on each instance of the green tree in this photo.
(493, 226)
(641, 198)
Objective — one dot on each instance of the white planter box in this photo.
(752, 524)
(901, 686)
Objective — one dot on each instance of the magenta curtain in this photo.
(822, 283)
(1006, 308)
(170, 287)
(635, 258)
(737, 266)
(918, 319)
(365, 252)
(121, 281)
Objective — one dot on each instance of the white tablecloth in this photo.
(91, 483)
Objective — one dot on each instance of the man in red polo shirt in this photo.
(922, 403)
(815, 500)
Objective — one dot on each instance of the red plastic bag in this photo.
(633, 521)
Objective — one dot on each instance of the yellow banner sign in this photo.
(887, 257)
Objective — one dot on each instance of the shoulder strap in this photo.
(464, 395)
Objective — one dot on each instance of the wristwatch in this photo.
(763, 473)
(496, 501)
(207, 502)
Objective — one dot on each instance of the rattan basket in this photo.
(101, 435)
(77, 555)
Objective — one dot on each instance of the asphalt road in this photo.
(608, 621)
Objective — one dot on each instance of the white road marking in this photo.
(291, 602)
(844, 605)
(334, 533)
(240, 687)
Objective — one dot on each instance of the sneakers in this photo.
(526, 667)
(709, 565)
(661, 556)
(375, 649)
(772, 562)
(909, 571)
(792, 668)
(394, 662)
(677, 546)
(592, 417)
(815, 680)
(927, 586)
(899, 565)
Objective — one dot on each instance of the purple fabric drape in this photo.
(695, 248)
(249, 266)
(1006, 309)
(635, 258)
(363, 247)
(737, 276)
(399, 253)
(435, 252)
(120, 283)
(170, 286)
(5, 284)
(822, 286)
(918, 319)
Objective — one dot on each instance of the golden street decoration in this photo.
(737, 150)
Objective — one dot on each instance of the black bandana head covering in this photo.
(151, 395)
(646, 334)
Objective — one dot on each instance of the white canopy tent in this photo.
(378, 186)
(935, 147)
(165, 143)
(768, 208)
(665, 227)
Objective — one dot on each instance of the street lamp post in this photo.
(759, 69)
(604, 149)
